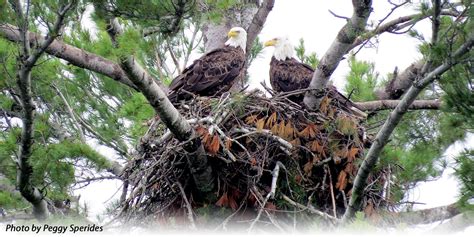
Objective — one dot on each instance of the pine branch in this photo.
(71, 54)
(26, 61)
(392, 121)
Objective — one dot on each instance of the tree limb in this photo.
(455, 224)
(177, 124)
(73, 55)
(257, 23)
(396, 25)
(424, 216)
(344, 40)
(392, 121)
(26, 61)
(391, 104)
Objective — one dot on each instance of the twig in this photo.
(331, 188)
(339, 16)
(188, 206)
(311, 209)
(71, 113)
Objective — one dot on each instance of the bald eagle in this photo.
(288, 74)
(215, 72)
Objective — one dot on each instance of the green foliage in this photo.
(138, 111)
(53, 165)
(465, 173)
(311, 59)
(361, 81)
(256, 49)
(129, 42)
(360, 224)
(9, 200)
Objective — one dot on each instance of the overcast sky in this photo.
(312, 21)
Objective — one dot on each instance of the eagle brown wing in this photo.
(289, 75)
(211, 75)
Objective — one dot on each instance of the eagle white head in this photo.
(237, 38)
(283, 48)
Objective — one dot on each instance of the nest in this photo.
(266, 154)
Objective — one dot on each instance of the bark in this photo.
(250, 17)
(340, 46)
(455, 224)
(400, 82)
(391, 104)
(26, 61)
(71, 54)
(396, 25)
(255, 27)
(392, 121)
(177, 124)
(425, 216)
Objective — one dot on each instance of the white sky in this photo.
(318, 28)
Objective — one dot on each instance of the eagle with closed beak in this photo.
(215, 72)
(288, 74)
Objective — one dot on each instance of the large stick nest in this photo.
(245, 136)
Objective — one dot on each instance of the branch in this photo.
(73, 55)
(392, 121)
(71, 113)
(455, 224)
(391, 104)
(26, 62)
(396, 25)
(400, 82)
(176, 123)
(329, 62)
(424, 216)
(257, 23)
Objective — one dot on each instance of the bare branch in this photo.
(339, 16)
(257, 23)
(424, 216)
(340, 46)
(396, 25)
(391, 104)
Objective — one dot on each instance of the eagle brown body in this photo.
(290, 75)
(211, 75)
(215, 72)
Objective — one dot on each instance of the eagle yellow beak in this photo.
(232, 34)
(270, 43)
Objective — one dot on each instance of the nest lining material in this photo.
(246, 137)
